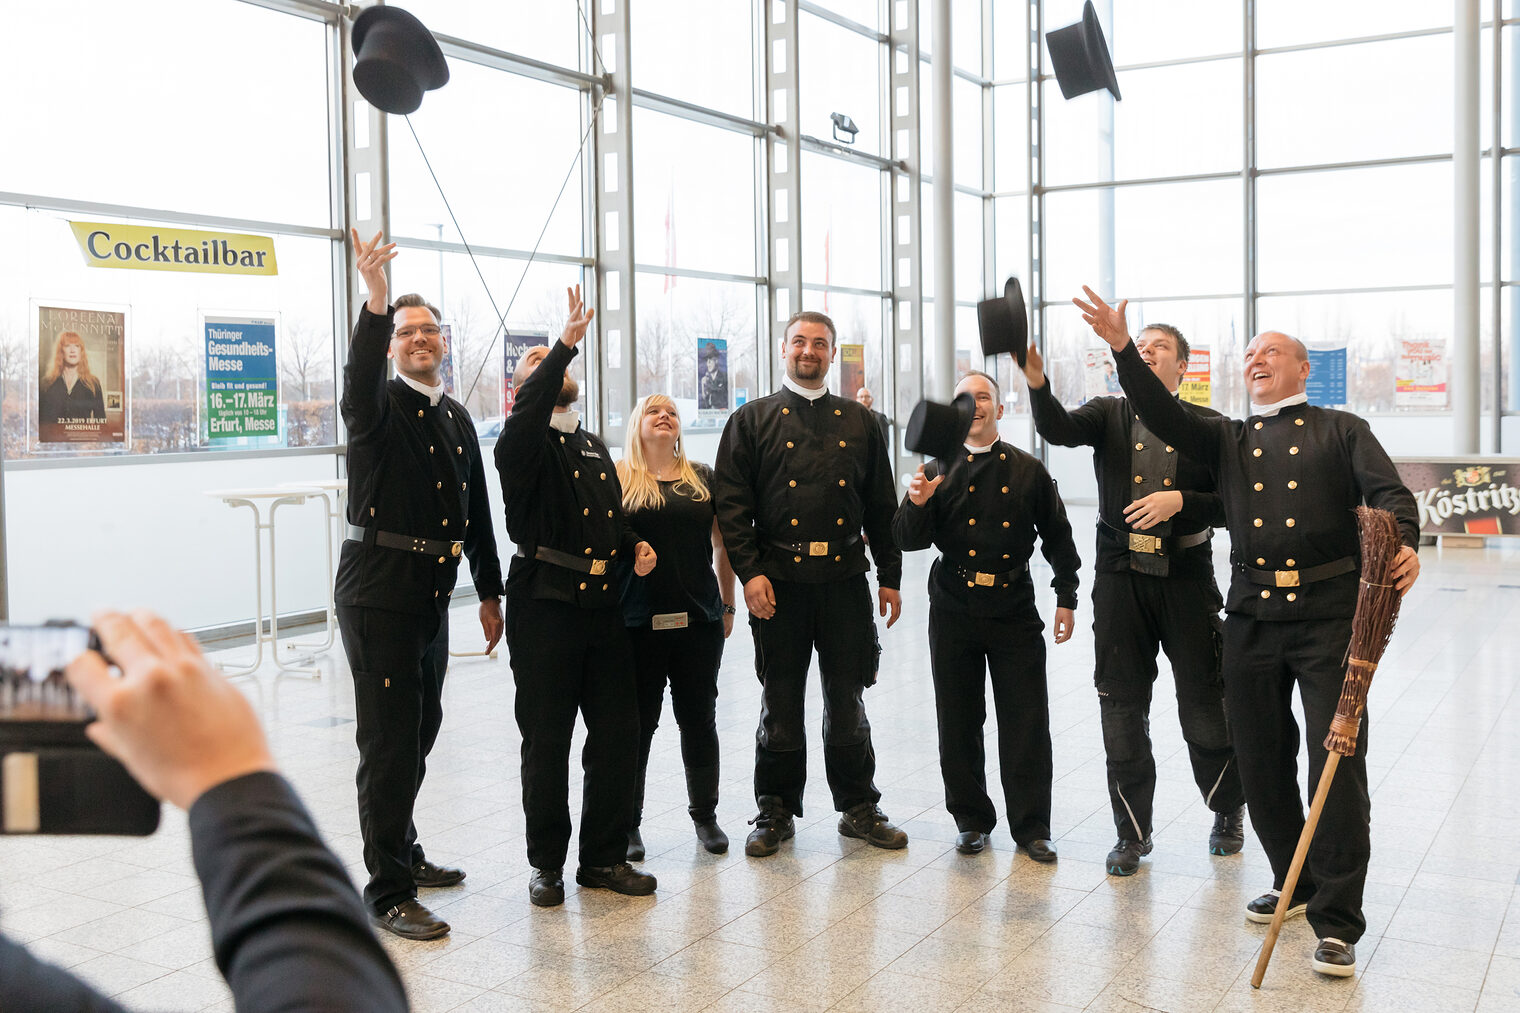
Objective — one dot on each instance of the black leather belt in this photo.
(1298, 578)
(439, 547)
(980, 578)
(1155, 544)
(813, 548)
(580, 564)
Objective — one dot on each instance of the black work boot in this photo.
(1124, 860)
(702, 794)
(868, 823)
(773, 824)
(1229, 833)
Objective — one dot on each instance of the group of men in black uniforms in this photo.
(802, 488)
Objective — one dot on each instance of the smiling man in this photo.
(1153, 589)
(982, 618)
(1291, 476)
(799, 473)
(417, 487)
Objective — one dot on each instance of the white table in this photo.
(253, 499)
(334, 494)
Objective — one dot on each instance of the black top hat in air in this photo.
(939, 430)
(396, 59)
(1079, 56)
(1004, 323)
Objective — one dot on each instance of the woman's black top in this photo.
(683, 580)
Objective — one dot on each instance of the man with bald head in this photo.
(866, 399)
(570, 651)
(1291, 476)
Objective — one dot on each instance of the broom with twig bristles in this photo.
(1377, 609)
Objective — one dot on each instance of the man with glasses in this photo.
(417, 488)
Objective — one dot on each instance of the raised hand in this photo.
(1034, 368)
(1108, 322)
(370, 260)
(578, 320)
(920, 489)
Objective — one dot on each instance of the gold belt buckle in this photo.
(984, 579)
(818, 548)
(1287, 578)
(598, 567)
(1144, 543)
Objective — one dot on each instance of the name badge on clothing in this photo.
(668, 621)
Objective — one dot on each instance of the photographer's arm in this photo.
(287, 928)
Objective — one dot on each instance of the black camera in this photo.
(53, 779)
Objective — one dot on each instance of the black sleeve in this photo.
(913, 527)
(1201, 508)
(1056, 543)
(1162, 413)
(734, 498)
(522, 448)
(27, 983)
(880, 503)
(480, 533)
(287, 928)
(364, 402)
(1080, 428)
(1378, 480)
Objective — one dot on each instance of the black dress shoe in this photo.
(620, 878)
(1264, 908)
(773, 824)
(1229, 833)
(425, 873)
(1040, 850)
(1335, 958)
(410, 920)
(970, 842)
(868, 823)
(635, 846)
(547, 888)
(712, 836)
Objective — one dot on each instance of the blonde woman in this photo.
(69, 390)
(679, 615)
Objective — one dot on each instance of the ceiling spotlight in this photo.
(844, 128)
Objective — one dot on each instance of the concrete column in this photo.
(1466, 376)
(942, 72)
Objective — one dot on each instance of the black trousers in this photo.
(688, 659)
(1134, 615)
(398, 662)
(566, 660)
(962, 651)
(834, 618)
(1262, 662)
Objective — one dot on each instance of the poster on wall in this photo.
(1195, 386)
(1420, 380)
(242, 380)
(81, 375)
(1098, 373)
(1326, 385)
(513, 348)
(712, 378)
(1458, 496)
(852, 370)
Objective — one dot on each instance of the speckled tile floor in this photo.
(832, 924)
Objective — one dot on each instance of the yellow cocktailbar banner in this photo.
(149, 248)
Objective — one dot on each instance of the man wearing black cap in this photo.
(799, 473)
(1153, 589)
(417, 488)
(570, 651)
(982, 618)
(1291, 476)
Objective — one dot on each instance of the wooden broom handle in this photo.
(1285, 901)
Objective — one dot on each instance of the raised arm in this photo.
(1081, 428)
(1157, 408)
(364, 403)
